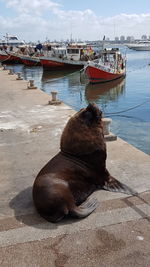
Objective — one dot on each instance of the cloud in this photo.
(31, 6)
(38, 19)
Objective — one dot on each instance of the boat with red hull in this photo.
(73, 56)
(110, 66)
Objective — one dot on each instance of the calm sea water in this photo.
(128, 99)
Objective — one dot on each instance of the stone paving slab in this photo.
(125, 244)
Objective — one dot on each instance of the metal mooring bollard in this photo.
(4, 67)
(106, 129)
(19, 76)
(54, 100)
(106, 125)
(31, 85)
(54, 95)
(10, 72)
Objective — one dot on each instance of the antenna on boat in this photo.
(71, 38)
(6, 37)
(103, 43)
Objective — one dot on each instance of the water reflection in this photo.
(34, 73)
(48, 76)
(105, 92)
(28, 73)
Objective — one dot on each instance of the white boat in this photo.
(140, 46)
(11, 40)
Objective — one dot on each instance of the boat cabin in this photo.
(69, 52)
(108, 55)
(59, 52)
(74, 53)
(11, 40)
(111, 57)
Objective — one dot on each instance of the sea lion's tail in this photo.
(85, 209)
(115, 186)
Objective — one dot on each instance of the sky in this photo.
(38, 20)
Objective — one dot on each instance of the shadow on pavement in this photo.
(24, 211)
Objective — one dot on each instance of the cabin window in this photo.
(13, 38)
(73, 51)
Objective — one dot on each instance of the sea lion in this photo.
(65, 182)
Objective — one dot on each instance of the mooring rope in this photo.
(125, 110)
(134, 70)
(5, 59)
(56, 79)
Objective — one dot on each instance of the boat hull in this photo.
(31, 62)
(142, 48)
(60, 64)
(96, 75)
(7, 58)
(3, 58)
(14, 59)
(139, 47)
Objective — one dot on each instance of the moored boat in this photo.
(110, 66)
(140, 46)
(11, 40)
(70, 57)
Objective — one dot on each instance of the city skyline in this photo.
(62, 19)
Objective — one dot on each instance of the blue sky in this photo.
(86, 20)
(108, 7)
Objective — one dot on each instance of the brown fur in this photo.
(76, 171)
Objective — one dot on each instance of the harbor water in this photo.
(126, 101)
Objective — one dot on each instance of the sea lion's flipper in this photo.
(84, 209)
(115, 186)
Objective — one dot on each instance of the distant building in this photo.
(144, 37)
(122, 38)
(116, 39)
(130, 39)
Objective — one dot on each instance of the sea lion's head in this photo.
(83, 133)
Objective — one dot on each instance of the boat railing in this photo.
(106, 66)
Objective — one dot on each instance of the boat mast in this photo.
(7, 38)
(103, 43)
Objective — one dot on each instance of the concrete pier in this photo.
(116, 234)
